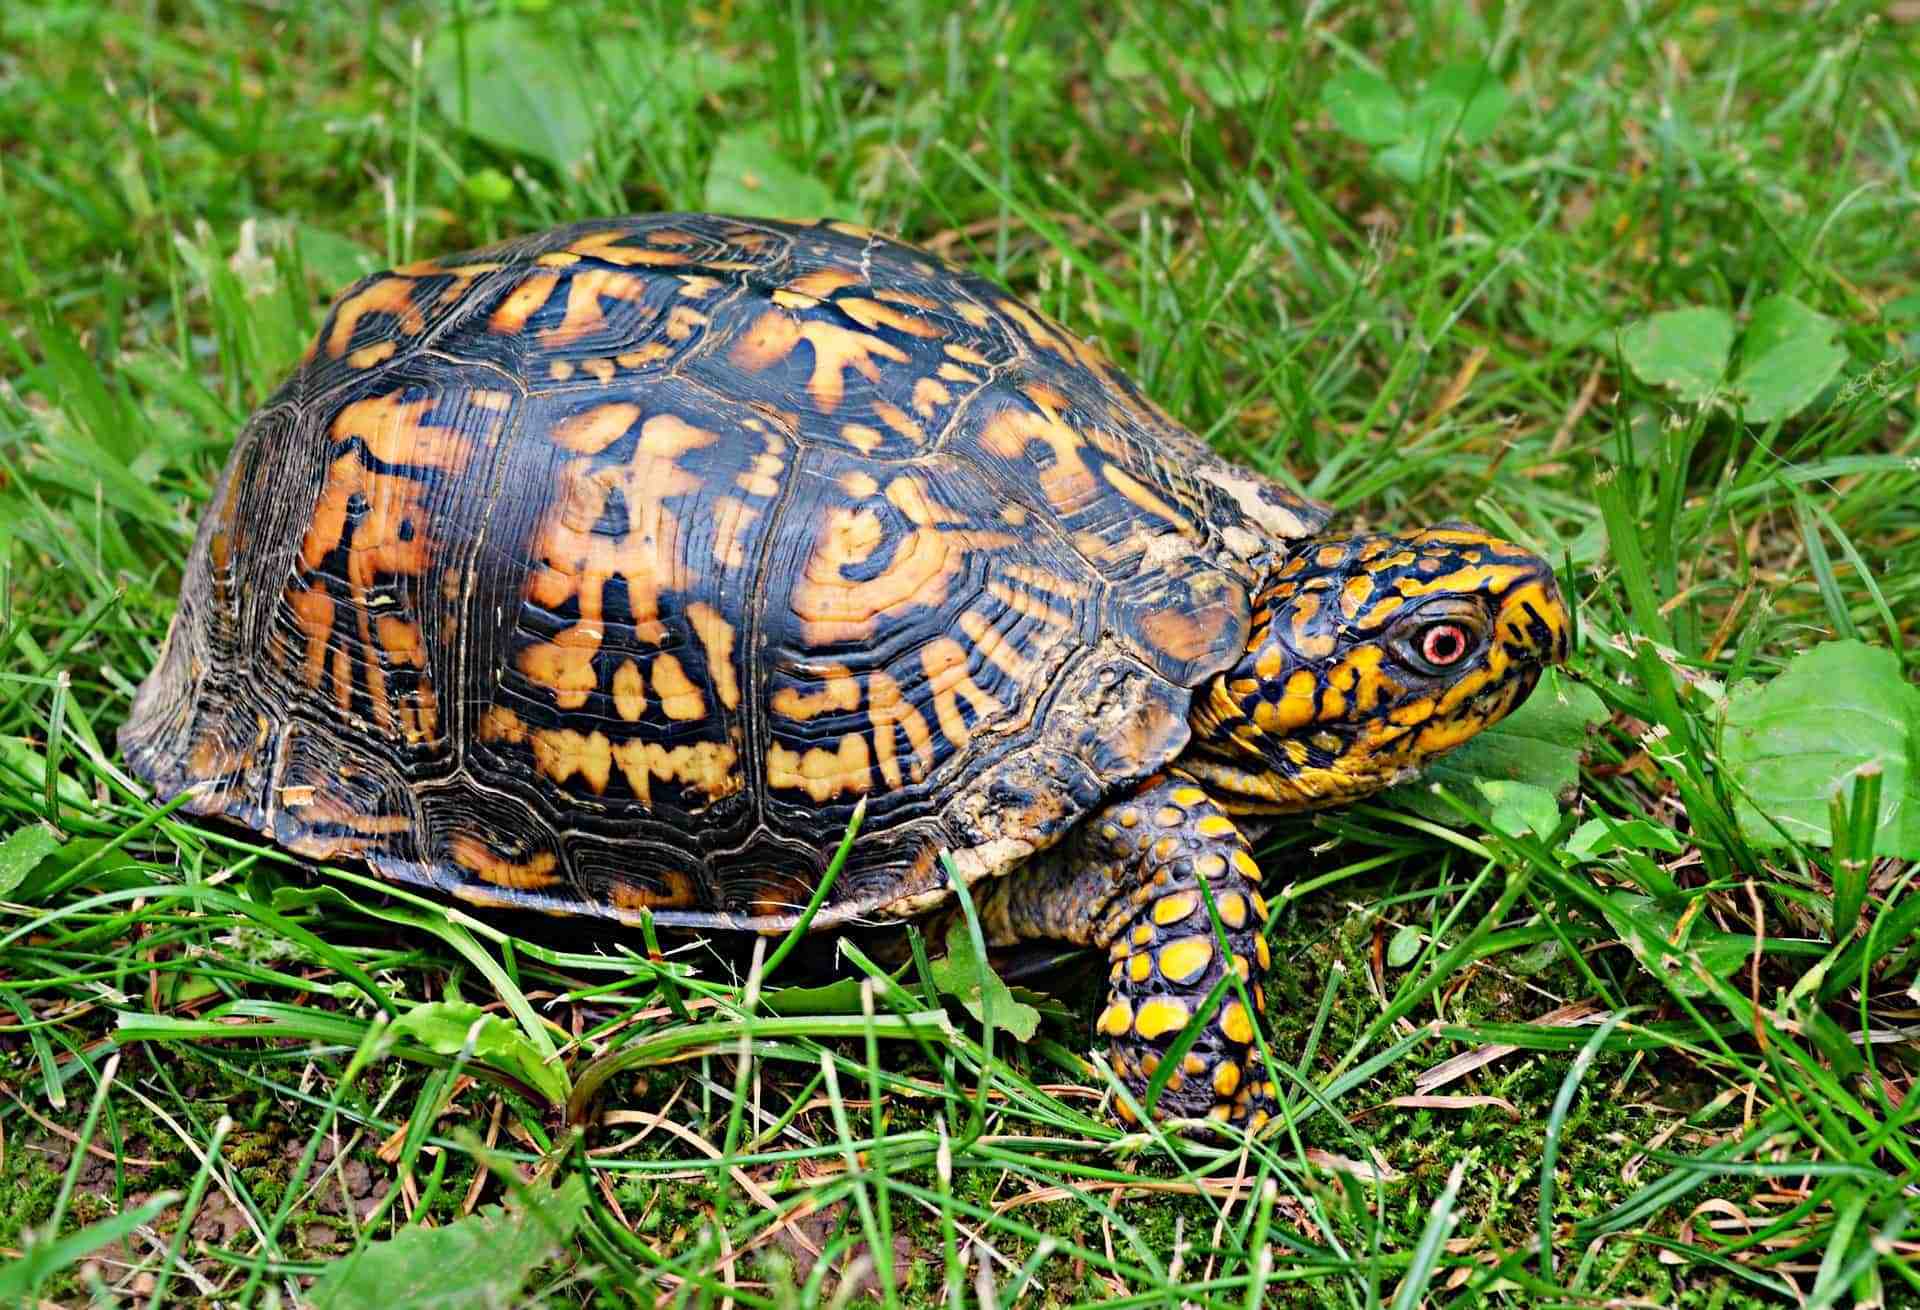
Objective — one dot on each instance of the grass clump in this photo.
(1637, 286)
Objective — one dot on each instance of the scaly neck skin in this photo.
(1369, 657)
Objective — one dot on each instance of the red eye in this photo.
(1444, 644)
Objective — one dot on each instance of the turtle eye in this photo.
(1444, 645)
(1436, 644)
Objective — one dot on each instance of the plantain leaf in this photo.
(515, 84)
(1789, 353)
(481, 1260)
(1791, 744)
(967, 978)
(1684, 350)
(1403, 946)
(22, 852)
(1668, 943)
(749, 175)
(1365, 107)
(1539, 745)
(444, 1027)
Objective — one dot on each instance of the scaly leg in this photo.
(1129, 880)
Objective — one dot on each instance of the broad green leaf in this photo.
(1409, 159)
(1594, 837)
(1365, 107)
(1629, 841)
(22, 852)
(1791, 744)
(481, 1260)
(1681, 349)
(1231, 87)
(1538, 744)
(840, 997)
(748, 175)
(1463, 102)
(650, 77)
(1125, 60)
(331, 260)
(24, 757)
(1403, 946)
(443, 1027)
(107, 870)
(1664, 948)
(1521, 807)
(522, 89)
(1788, 354)
(967, 978)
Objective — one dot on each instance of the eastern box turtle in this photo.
(604, 571)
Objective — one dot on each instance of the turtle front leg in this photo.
(1129, 880)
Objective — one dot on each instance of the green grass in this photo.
(181, 185)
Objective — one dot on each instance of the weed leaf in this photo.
(1365, 108)
(21, 853)
(481, 1260)
(1126, 59)
(748, 175)
(521, 91)
(1793, 742)
(1666, 949)
(1521, 807)
(1464, 102)
(1539, 744)
(1788, 354)
(443, 1027)
(1403, 946)
(1684, 350)
(965, 977)
(331, 260)
(1595, 837)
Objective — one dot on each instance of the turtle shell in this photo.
(607, 569)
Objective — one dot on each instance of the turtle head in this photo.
(1369, 657)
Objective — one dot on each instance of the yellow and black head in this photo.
(1369, 657)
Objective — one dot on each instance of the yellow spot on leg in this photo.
(1185, 959)
(1226, 1079)
(1235, 1023)
(1233, 909)
(1174, 908)
(1160, 1016)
